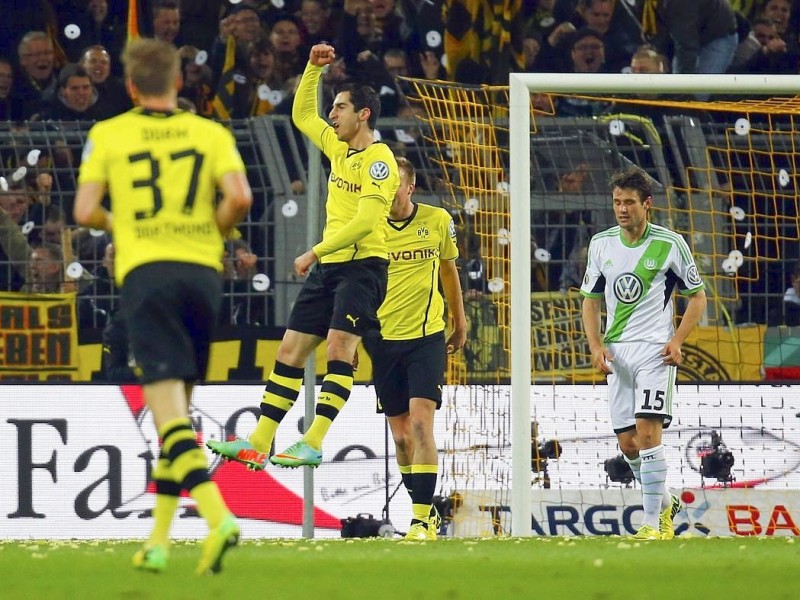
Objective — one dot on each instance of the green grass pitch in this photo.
(554, 568)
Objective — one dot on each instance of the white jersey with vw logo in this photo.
(638, 281)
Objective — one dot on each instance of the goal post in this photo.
(521, 86)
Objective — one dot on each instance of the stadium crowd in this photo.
(60, 62)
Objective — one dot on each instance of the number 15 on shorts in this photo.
(653, 400)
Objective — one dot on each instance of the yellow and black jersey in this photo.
(162, 170)
(371, 172)
(414, 306)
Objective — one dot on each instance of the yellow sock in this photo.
(163, 513)
(405, 474)
(190, 468)
(167, 498)
(210, 504)
(421, 512)
(332, 397)
(264, 433)
(280, 394)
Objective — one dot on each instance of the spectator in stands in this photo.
(266, 90)
(470, 263)
(197, 80)
(531, 47)
(37, 72)
(102, 287)
(243, 24)
(621, 33)
(10, 105)
(587, 54)
(430, 66)
(287, 42)
(395, 65)
(77, 98)
(647, 59)
(16, 201)
(105, 30)
(791, 299)
(55, 223)
(167, 21)
(200, 22)
(239, 307)
(389, 24)
(112, 96)
(781, 13)
(118, 364)
(361, 29)
(564, 234)
(553, 52)
(702, 33)
(45, 274)
(318, 27)
(21, 17)
(771, 53)
(14, 248)
(538, 18)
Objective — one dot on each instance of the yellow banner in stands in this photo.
(38, 337)
(230, 361)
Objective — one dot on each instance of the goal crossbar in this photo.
(521, 85)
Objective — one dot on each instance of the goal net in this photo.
(725, 173)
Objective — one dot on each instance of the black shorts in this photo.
(344, 296)
(170, 309)
(405, 369)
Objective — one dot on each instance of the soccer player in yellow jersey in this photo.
(409, 354)
(161, 167)
(339, 300)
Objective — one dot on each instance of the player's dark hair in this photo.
(71, 70)
(633, 178)
(363, 96)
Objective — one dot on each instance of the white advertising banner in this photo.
(76, 460)
(618, 511)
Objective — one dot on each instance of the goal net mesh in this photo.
(725, 174)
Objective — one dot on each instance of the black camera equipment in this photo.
(716, 462)
(618, 470)
(364, 524)
(540, 452)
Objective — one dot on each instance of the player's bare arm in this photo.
(451, 284)
(236, 200)
(601, 356)
(88, 210)
(695, 309)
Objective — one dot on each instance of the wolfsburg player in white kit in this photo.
(636, 266)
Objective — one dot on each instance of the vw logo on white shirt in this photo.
(628, 288)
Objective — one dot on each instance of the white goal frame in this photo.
(521, 85)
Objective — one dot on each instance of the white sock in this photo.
(654, 478)
(636, 467)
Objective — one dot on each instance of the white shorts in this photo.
(641, 385)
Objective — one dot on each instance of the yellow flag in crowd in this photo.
(487, 32)
(223, 100)
(133, 20)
